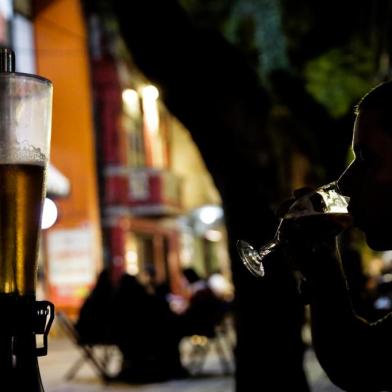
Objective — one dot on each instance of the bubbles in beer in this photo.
(21, 198)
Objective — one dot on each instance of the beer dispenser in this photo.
(25, 125)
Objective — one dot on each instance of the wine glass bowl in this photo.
(318, 213)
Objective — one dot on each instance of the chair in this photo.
(218, 339)
(98, 355)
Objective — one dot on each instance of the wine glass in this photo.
(324, 205)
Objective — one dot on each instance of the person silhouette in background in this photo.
(94, 324)
(120, 310)
(205, 309)
(153, 286)
(166, 324)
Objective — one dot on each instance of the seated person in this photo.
(94, 324)
(205, 309)
(122, 312)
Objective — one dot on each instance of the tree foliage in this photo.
(325, 44)
(338, 77)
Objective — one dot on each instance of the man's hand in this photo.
(302, 234)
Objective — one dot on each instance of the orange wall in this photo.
(62, 57)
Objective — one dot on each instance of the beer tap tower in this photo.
(25, 125)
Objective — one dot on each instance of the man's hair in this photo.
(380, 98)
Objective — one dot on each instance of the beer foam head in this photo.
(22, 153)
(25, 118)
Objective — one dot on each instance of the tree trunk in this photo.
(208, 86)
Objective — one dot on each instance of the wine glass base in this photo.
(251, 258)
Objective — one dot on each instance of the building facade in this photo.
(130, 186)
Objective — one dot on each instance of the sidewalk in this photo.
(62, 354)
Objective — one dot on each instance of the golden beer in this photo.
(21, 200)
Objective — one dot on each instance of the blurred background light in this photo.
(150, 92)
(130, 98)
(49, 214)
(213, 235)
(209, 214)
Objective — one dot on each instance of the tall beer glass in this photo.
(25, 124)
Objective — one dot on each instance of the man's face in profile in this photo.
(368, 179)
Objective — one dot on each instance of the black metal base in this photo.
(23, 316)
